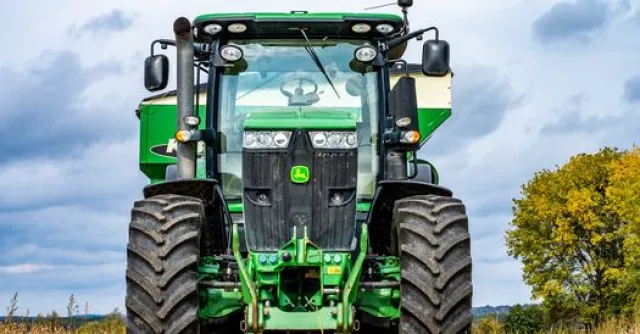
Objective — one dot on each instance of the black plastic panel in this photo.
(274, 204)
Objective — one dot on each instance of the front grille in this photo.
(274, 204)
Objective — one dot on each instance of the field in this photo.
(98, 327)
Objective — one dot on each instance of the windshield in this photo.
(282, 75)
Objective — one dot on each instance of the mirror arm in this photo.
(397, 41)
(163, 44)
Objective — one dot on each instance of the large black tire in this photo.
(162, 265)
(432, 239)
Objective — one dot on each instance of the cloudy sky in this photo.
(536, 81)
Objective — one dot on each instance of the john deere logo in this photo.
(300, 174)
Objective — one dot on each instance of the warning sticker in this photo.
(334, 270)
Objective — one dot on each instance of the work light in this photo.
(366, 53)
(231, 53)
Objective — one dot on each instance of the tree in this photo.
(570, 239)
(624, 193)
(524, 319)
(488, 325)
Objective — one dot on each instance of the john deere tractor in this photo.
(286, 193)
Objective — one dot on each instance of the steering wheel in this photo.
(298, 97)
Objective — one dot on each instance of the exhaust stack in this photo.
(184, 44)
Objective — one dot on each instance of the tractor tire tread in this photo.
(162, 294)
(433, 243)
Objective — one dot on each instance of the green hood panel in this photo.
(294, 119)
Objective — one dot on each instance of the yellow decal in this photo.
(334, 270)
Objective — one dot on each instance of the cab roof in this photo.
(288, 25)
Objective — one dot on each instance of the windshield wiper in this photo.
(316, 60)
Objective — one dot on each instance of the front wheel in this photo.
(432, 240)
(162, 265)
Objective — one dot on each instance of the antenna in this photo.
(380, 6)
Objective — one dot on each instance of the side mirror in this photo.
(156, 72)
(435, 58)
(405, 3)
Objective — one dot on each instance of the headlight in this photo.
(385, 28)
(366, 53)
(231, 53)
(266, 139)
(336, 140)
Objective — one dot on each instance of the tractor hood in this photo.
(316, 119)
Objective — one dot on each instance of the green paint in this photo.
(158, 124)
(352, 286)
(383, 303)
(300, 174)
(216, 302)
(278, 319)
(363, 206)
(339, 17)
(294, 118)
(429, 120)
(248, 288)
(279, 284)
(235, 207)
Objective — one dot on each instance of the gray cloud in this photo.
(116, 20)
(610, 129)
(632, 89)
(46, 109)
(576, 19)
(481, 98)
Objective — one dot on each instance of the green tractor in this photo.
(286, 194)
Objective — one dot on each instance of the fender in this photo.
(207, 190)
(380, 215)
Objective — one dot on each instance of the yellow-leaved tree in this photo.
(574, 229)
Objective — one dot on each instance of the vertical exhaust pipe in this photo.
(184, 44)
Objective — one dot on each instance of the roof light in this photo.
(366, 53)
(385, 28)
(212, 29)
(237, 28)
(361, 28)
(231, 53)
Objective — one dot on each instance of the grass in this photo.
(613, 326)
(96, 327)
